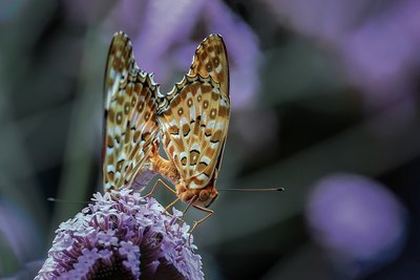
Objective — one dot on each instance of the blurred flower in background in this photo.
(377, 44)
(358, 221)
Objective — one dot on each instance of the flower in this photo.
(122, 235)
(359, 223)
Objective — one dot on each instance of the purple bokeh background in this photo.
(357, 220)
(377, 44)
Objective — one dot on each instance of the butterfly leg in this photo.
(171, 204)
(209, 213)
(190, 202)
(162, 183)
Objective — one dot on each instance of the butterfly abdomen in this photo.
(163, 166)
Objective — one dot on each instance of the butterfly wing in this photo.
(130, 118)
(194, 116)
(210, 59)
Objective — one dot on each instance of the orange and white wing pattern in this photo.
(211, 59)
(130, 115)
(194, 116)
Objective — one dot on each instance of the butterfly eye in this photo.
(203, 196)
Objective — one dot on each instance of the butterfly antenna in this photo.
(52, 199)
(275, 189)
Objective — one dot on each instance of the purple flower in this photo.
(359, 222)
(122, 235)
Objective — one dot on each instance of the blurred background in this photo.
(325, 100)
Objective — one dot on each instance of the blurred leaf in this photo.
(86, 111)
(9, 263)
(307, 262)
(16, 171)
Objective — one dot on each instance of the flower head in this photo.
(357, 220)
(122, 235)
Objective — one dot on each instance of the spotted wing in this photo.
(194, 116)
(130, 118)
(210, 59)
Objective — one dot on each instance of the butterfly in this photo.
(190, 122)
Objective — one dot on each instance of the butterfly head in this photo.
(206, 197)
(200, 197)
